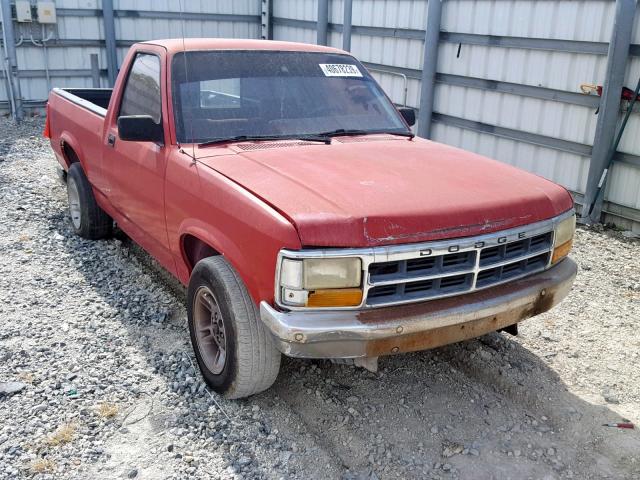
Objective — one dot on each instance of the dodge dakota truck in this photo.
(279, 183)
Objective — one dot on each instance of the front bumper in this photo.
(418, 326)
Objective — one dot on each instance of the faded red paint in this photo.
(249, 205)
(387, 191)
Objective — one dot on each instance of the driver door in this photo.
(136, 178)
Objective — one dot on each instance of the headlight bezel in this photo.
(294, 282)
(564, 230)
(563, 234)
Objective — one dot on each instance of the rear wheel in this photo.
(235, 353)
(87, 218)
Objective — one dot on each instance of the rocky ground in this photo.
(94, 339)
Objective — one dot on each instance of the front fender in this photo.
(244, 229)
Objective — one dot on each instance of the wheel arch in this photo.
(199, 240)
(70, 149)
(194, 249)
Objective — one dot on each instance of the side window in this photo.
(142, 91)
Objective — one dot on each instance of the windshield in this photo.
(225, 94)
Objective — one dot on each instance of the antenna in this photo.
(186, 77)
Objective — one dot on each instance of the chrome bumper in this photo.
(419, 326)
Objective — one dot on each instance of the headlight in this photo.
(563, 239)
(321, 282)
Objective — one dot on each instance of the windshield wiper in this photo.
(245, 138)
(324, 137)
(354, 132)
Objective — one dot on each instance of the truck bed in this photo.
(93, 99)
(76, 119)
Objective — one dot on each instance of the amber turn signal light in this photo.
(335, 297)
(561, 251)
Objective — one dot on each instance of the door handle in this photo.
(111, 139)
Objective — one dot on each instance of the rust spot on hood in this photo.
(458, 231)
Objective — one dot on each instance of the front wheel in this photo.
(235, 353)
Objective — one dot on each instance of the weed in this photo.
(107, 410)
(42, 465)
(26, 377)
(64, 434)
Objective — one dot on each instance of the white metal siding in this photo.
(543, 117)
(90, 28)
(294, 34)
(296, 9)
(539, 68)
(624, 184)
(588, 20)
(407, 14)
(239, 7)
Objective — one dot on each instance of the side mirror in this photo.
(409, 115)
(139, 128)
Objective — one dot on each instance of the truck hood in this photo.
(370, 191)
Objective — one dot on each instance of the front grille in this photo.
(432, 273)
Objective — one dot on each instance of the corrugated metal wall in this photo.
(624, 185)
(508, 71)
(564, 71)
(79, 32)
(508, 79)
(540, 68)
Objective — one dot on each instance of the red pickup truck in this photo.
(279, 182)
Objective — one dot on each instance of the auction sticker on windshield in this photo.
(340, 70)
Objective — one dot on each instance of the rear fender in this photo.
(67, 138)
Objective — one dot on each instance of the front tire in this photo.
(87, 218)
(235, 353)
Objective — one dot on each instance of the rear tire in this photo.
(234, 350)
(87, 218)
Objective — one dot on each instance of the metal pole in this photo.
(429, 64)
(7, 80)
(46, 57)
(609, 105)
(110, 40)
(323, 21)
(612, 151)
(346, 25)
(9, 40)
(95, 70)
(267, 14)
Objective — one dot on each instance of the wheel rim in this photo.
(210, 331)
(74, 203)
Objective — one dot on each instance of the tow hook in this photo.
(368, 363)
(511, 329)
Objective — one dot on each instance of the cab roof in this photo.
(176, 45)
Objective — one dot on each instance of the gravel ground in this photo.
(95, 337)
